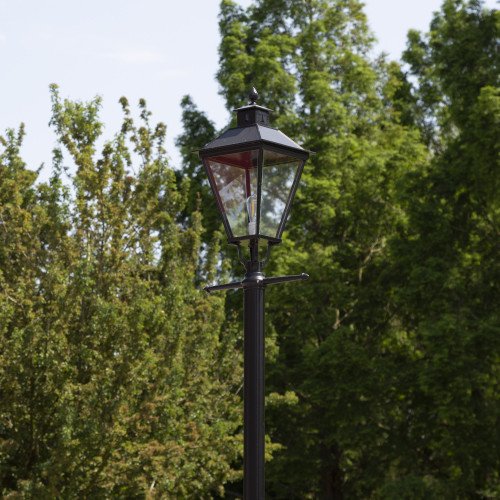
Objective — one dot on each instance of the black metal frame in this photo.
(254, 285)
(206, 155)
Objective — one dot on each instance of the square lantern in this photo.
(254, 171)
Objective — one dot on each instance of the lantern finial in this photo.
(253, 95)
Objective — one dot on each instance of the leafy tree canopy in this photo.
(116, 377)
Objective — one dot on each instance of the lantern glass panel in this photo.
(278, 173)
(235, 178)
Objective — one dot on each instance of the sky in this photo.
(156, 49)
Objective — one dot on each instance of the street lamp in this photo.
(254, 171)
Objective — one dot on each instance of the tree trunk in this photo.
(333, 477)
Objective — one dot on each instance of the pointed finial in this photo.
(253, 95)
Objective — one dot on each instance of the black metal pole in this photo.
(253, 384)
(253, 393)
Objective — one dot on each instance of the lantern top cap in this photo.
(252, 113)
(253, 129)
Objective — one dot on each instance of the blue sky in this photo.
(156, 49)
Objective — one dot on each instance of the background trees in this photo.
(383, 372)
(118, 377)
(446, 259)
(331, 354)
(115, 376)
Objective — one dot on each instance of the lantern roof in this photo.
(253, 128)
(249, 136)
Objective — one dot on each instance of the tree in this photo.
(446, 258)
(333, 397)
(116, 377)
(375, 390)
(198, 130)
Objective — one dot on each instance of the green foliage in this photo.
(116, 378)
(198, 131)
(446, 259)
(453, 62)
(338, 103)
(383, 367)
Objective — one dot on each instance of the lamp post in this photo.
(254, 171)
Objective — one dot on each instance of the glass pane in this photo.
(235, 177)
(278, 173)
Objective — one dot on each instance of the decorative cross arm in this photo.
(266, 281)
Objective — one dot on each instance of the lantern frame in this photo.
(254, 134)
